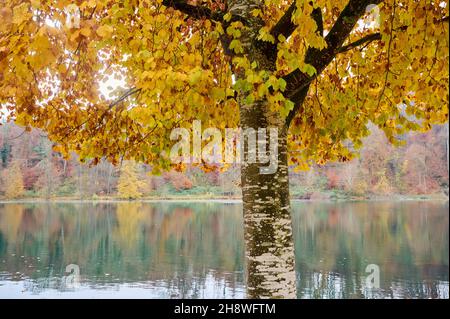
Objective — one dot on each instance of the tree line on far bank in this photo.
(30, 168)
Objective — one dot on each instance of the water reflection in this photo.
(178, 250)
(335, 242)
(196, 250)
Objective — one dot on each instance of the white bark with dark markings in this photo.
(270, 259)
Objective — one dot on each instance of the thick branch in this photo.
(346, 22)
(285, 26)
(196, 12)
(297, 81)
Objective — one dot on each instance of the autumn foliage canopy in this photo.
(175, 60)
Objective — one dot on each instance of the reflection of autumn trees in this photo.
(408, 240)
(11, 220)
(181, 244)
(128, 224)
(126, 241)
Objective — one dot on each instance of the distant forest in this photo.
(30, 168)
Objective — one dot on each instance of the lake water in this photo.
(196, 250)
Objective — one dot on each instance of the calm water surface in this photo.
(196, 250)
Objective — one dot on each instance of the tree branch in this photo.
(444, 19)
(297, 81)
(120, 99)
(364, 40)
(346, 22)
(285, 26)
(300, 97)
(196, 12)
(376, 36)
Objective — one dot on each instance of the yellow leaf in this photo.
(20, 13)
(105, 31)
(86, 32)
(5, 17)
(35, 3)
(256, 12)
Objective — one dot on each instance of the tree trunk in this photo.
(270, 260)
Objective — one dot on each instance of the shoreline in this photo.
(174, 199)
